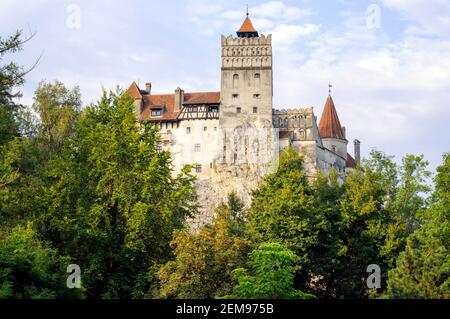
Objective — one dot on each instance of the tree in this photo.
(270, 276)
(30, 269)
(112, 201)
(287, 209)
(204, 261)
(24, 160)
(58, 108)
(423, 268)
(11, 76)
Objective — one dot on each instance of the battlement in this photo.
(236, 41)
(304, 112)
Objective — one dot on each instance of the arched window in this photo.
(235, 80)
(257, 79)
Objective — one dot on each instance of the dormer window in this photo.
(156, 112)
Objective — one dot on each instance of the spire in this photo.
(247, 30)
(329, 125)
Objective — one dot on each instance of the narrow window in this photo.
(205, 128)
(215, 129)
(198, 168)
(238, 110)
(235, 80)
(255, 109)
(235, 96)
(188, 130)
(333, 147)
(257, 75)
(197, 148)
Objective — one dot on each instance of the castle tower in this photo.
(331, 131)
(246, 79)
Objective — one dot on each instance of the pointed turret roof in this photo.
(134, 91)
(247, 29)
(329, 125)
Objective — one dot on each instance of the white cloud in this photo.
(285, 34)
(278, 10)
(427, 16)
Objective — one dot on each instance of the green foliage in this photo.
(30, 269)
(204, 260)
(423, 269)
(337, 229)
(11, 76)
(58, 108)
(24, 160)
(113, 203)
(270, 276)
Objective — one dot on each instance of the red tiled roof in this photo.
(247, 26)
(164, 100)
(134, 91)
(167, 101)
(202, 98)
(350, 161)
(329, 125)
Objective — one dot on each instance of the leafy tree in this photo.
(270, 276)
(24, 160)
(423, 269)
(204, 260)
(58, 108)
(113, 203)
(11, 76)
(289, 210)
(379, 208)
(30, 269)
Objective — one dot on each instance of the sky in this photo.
(388, 60)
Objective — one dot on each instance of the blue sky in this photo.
(388, 60)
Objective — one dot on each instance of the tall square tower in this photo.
(246, 79)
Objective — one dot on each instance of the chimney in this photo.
(357, 151)
(179, 98)
(148, 87)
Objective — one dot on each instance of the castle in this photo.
(233, 137)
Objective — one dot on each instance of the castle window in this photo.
(256, 96)
(238, 110)
(235, 80)
(255, 109)
(169, 132)
(215, 129)
(188, 130)
(198, 168)
(197, 148)
(257, 75)
(205, 128)
(235, 96)
(333, 148)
